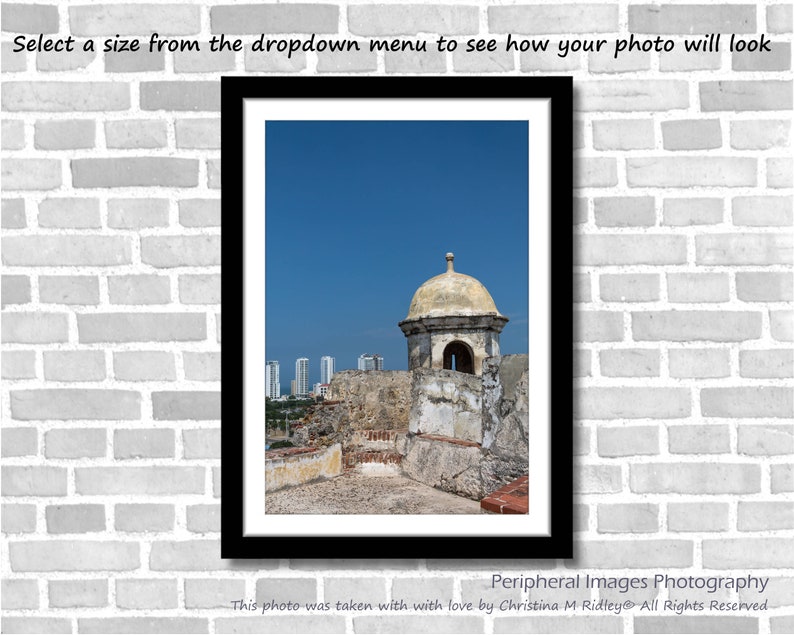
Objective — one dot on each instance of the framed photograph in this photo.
(397, 297)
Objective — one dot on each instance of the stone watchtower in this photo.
(452, 323)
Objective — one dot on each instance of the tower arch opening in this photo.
(458, 356)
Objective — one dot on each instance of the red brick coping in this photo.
(512, 498)
(438, 437)
(283, 453)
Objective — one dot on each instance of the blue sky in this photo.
(359, 214)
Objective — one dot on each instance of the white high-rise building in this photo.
(302, 377)
(370, 362)
(327, 369)
(272, 380)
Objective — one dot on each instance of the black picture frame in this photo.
(234, 92)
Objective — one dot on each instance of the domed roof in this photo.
(451, 293)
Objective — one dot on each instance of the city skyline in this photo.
(388, 200)
(287, 383)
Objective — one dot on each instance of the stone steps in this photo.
(374, 447)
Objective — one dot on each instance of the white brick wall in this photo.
(111, 323)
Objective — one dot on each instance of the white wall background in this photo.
(111, 323)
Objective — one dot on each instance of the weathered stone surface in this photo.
(506, 406)
(446, 466)
(447, 403)
(297, 469)
(375, 400)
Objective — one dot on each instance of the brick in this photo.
(141, 327)
(14, 213)
(202, 443)
(29, 18)
(19, 442)
(624, 211)
(778, 18)
(628, 518)
(138, 62)
(146, 594)
(747, 402)
(141, 517)
(149, 443)
(67, 250)
(691, 19)
(203, 60)
(285, 624)
(77, 403)
(11, 62)
(780, 323)
(65, 96)
(21, 480)
(135, 172)
(598, 326)
(636, 362)
(563, 18)
(15, 290)
(405, 19)
(18, 519)
(214, 174)
(756, 553)
(745, 95)
(347, 62)
(549, 61)
(30, 174)
(20, 594)
(634, 554)
(139, 289)
(136, 133)
(68, 443)
(202, 366)
(762, 210)
(186, 405)
(778, 58)
(778, 592)
(628, 441)
(412, 62)
(630, 249)
(132, 213)
(765, 440)
(139, 19)
(13, 133)
(629, 287)
(58, 62)
(104, 625)
(69, 289)
(191, 555)
(782, 478)
(34, 328)
(180, 251)
(70, 519)
(579, 211)
(692, 134)
(144, 366)
(216, 482)
(765, 515)
(482, 589)
(595, 172)
(36, 625)
(699, 439)
(778, 173)
(632, 95)
(212, 593)
(682, 212)
(743, 249)
(761, 134)
(597, 479)
(76, 213)
(203, 518)
(200, 212)
(582, 363)
(64, 134)
(180, 95)
(698, 516)
(151, 480)
(684, 326)
(627, 62)
(19, 364)
(699, 362)
(200, 289)
(695, 624)
(690, 171)
(695, 478)
(419, 589)
(273, 62)
(292, 18)
(767, 363)
(581, 288)
(633, 403)
(198, 133)
(74, 365)
(697, 287)
(623, 134)
(67, 594)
